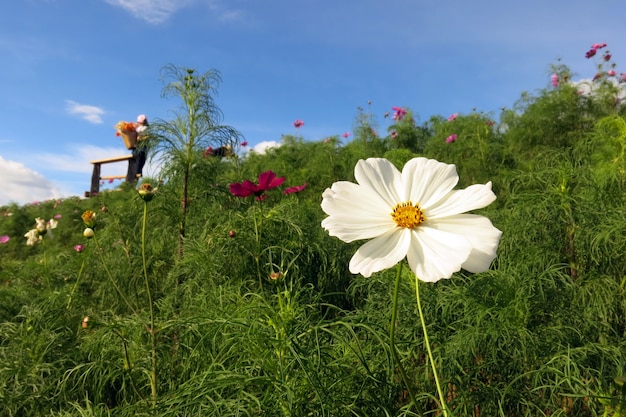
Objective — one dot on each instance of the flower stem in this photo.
(444, 407)
(80, 273)
(258, 246)
(152, 330)
(117, 288)
(392, 334)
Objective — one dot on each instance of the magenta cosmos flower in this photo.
(79, 248)
(451, 138)
(345, 135)
(295, 189)
(398, 114)
(267, 181)
(554, 80)
(4, 239)
(298, 124)
(453, 116)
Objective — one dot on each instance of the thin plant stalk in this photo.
(392, 335)
(80, 273)
(152, 330)
(108, 272)
(444, 407)
(257, 235)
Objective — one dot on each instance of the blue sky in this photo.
(72, 69)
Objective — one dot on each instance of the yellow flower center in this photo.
(408, 215)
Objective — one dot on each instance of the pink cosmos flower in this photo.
(79, 248)
(4, 239)
(453, 116)
(623, 76)
(607, 57)
(346, 135)
(295, 189)
(590, 53)
(451, 138)
(57, 216)
(554, 80)
(266, 181)
(298, 124)
(597, 46)
(611, 73)
(398, 114)
(244, 144)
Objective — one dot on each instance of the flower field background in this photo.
(222, 295)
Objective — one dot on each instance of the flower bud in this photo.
(89, 218)
(88, 233)
(146, 192)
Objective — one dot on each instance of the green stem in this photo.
(108, 272)
(257, 253)
(153, 379)
(392, 334)
(80, 273)
(444, 407)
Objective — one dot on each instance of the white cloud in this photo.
(261, 147)
(152, 11)
(158, 11)
(22, 185)
(90, 113)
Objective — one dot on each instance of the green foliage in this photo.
(259, 315)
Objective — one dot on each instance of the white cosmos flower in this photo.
(414, 214)
(32, 237)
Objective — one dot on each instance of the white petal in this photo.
(355, 213)
(379, 176)
(436, 254)
(381, 253)
(480, 232)
(426, 181)
(460, 201)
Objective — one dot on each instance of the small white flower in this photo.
(32, 237)
(414, 214)
(52, 223)
(41, 225)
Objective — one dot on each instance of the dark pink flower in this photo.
(266, 181)
(607, 57)
(451, 138)
(554, 80)
(611, 73)
(590, 53)
(295, 189)
(597, 76)
(453, 116)
(298, 124)
(207, 152)
(4, 239)
(244, 144)
(231, 233)
(345, 135)
(398, 114)
(79, 248)
(394, 134)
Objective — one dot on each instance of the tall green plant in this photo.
(194, 127)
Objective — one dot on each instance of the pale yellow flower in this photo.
(414, 214)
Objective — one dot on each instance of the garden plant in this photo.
(468, 265)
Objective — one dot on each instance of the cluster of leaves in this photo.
(259, 315)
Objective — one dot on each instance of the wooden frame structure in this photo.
(131, 173)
